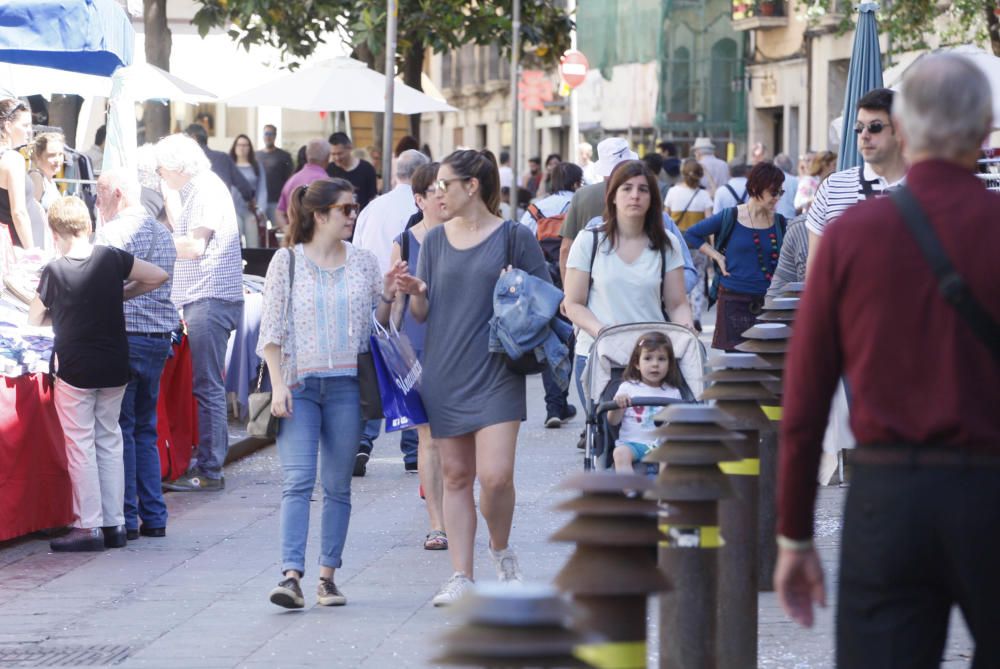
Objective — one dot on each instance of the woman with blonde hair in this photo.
(822, 165)
(688, 204)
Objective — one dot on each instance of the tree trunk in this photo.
(993, 25)
(413, 67)
(156, 115)
(64, 113)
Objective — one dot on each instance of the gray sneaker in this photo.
(328, 594)
(195, 482)
(505, 561)
(452, 590)
(288, 594)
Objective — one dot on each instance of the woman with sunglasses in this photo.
(15, 131)
(474, 403)
(748, 243)
(310, 343)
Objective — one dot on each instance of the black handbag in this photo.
(527, 364)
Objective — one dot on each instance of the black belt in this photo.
(151, 335)
(920, 455)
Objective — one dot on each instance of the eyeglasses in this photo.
(268, 133)
(875, 127)
(777, 193)
(442, 184)
(347, 209)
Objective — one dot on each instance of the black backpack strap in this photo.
(404, 246)
(593, 256)
(866, 186)
(951, 285)
(736, 197)
(663, 280)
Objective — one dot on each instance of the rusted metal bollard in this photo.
(507, 626)
(736, 388)
(690, 485)
(613, 570)
(770, 341)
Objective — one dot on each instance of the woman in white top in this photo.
(688, 203)
(311, 344)
(637, 270)
(15, 131)
(47, 158)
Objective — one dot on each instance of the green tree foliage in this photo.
(297, 26)
(910, 23)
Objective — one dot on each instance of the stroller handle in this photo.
(604, 407)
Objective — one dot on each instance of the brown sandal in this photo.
(436, 540)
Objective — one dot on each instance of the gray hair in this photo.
(933, 89)
(125, 180)
(784, 163)
(318, 151)
(408, 162)
(181, 154)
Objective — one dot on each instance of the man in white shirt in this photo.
(506, 173)
(786, 205)
(884, 167)
(716, 170)
(386, 216)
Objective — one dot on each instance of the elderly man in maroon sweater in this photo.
(922, 518)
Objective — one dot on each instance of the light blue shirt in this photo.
(724, 199)
(786, 205)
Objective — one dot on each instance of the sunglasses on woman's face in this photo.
(875, 127)
(346, 209)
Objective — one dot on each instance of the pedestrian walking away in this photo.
(81, 294)
(319, 295)
(631, 270)
(208, 289)
(922, 361)
(747, 246)
(406, 248)
(149, 323)
(477, 403)
(688, 203)
(317, 156)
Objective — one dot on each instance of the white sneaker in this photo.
(508, 570)
(452, 590)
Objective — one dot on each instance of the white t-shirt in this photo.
(621, 292)
(637, 422)
(680, 195)
(839, 191)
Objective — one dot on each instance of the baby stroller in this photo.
(603, 374)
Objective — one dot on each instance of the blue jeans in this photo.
(209, 324)
(556, 399)
(370, 430)
(325, 420)
(143, 494)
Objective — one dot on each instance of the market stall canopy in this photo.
(142, 82)
(985, 61)
(339, 84)
(86, 36)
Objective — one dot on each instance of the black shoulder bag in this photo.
(951, 285)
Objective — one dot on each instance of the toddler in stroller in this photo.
(617, 349)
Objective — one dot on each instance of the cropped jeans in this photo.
(324, 421)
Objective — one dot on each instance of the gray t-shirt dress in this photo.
(465, 387)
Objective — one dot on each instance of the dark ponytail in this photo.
(304, 202)
(482, 165)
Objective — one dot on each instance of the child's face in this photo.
(653, 366)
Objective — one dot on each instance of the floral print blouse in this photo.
(329, 319)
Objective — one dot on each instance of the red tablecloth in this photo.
(35, 490)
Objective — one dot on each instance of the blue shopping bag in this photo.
(398, 371)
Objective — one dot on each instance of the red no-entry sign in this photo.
(573, 68)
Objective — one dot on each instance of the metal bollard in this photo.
(738, 515)
(613, 570)
(770, 341)
(504, 626)
(690, 486)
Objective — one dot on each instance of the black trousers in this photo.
(917, 540)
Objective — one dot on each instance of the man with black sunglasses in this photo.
(884, 167)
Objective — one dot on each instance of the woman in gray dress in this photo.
(474, 403)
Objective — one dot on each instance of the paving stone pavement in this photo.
(198, 598)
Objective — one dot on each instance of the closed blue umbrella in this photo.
(864, 74)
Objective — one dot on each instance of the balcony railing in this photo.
(756, 14)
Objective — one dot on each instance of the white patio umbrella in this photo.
(985, 61)
(338, 84)
(142, 81)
